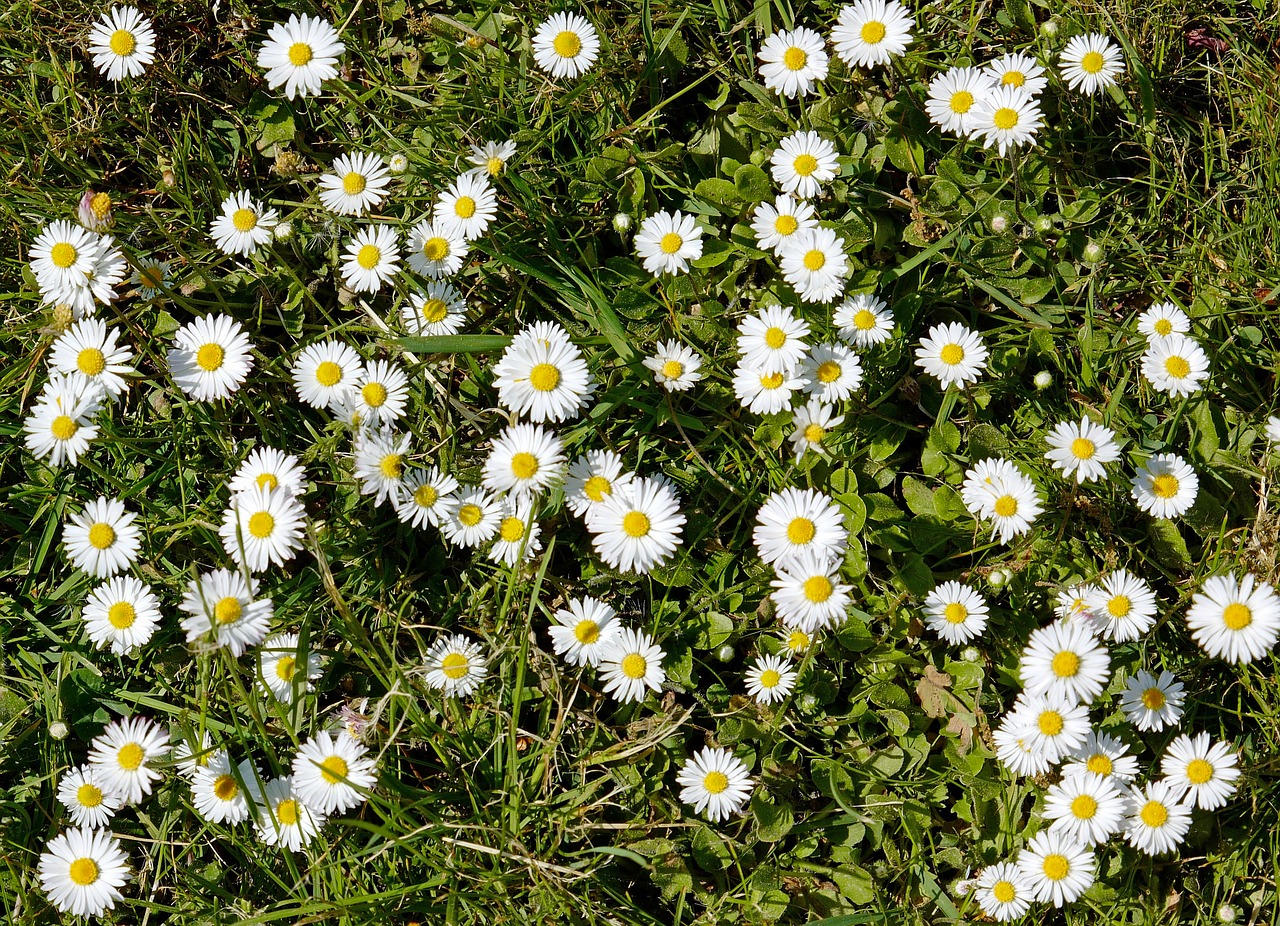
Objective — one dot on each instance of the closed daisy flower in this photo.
(121, 614)
(473, 519)
(864, 320)
(1152, 703)
(381, 460)
(333, 773)
(811, 425)
(284, 819)
(381, 393)
(90, 804)
(639, 528)
(1064, 661)
(1080, 450)
(953, 354)
(435, 249)
(1006, 118)
(1166, 486)
(1162, 320)
(526, 459)
(90, 349)
(1204, 771)
(122, 43)
(82, 871)
(1086, 808)
(121, 755)
(1122, 607)
(631, 665)
(1157, 820)
(774, 224)
(439, 311)
(102, 539)
(1176, 365)
(582, 630)
(593, 477)
(566, 45)
(211, 357)
(243, 226)
(60, 426)
(1017, 70)
(95, 211)
(300, 55)
(357, 184)
(802, 162)
(284, 671)
(772, 341)
(676, 367)
(324, 371)
(954, 96)
(455, 665)
(765, 393)
(814, 263)
(1057, 868)
(794, 521)
(1105, 756)
(1003, 894)
(955, 612)
(218, 789)
(220, 610)
(268, 468)
(518, 537)
(791, 63)
(808, 593)
(468, 206)
(1235, 619)
(833, 373)
(262, 527)
(372, 258)
(546, 379)
(667, 242)
(715, 781)
(1090, 63)
(427, 499)
(770, 679)
(491, 159)
(871, 33)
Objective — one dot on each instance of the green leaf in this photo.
(1170, 548)
(453, 343)
(720, 192)
(714, 253)
(752, 184)
(709, 850)
(917, 496)
(773, 821)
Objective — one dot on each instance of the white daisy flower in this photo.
(1122, 607)
(1053, 727)
(60, 426)
(381, 455)
(809, 594)
(772, 341)
(262, 527)
(439, 311)
(770, 679)
(802, 162)
(1007, 118)
(864, 320)
(1157, 820)
(1176, 365)
(88, 801)
(107, 269)
(545, 379)
(592, 478)
(1013, 748)
(1073, 604)
(90, 349)
(583, 630)
(473, 519)
(268, 468)
(1003, 894)
(795, 641)
(1057, 868)
(566, 45)
(1086, 808)
(284, 671)
(812, 423)
(243, 226)
(211, 358)
(332, 773)
(121, 614)
(715, 780)
(1166, 486)
(1105, 756)
(792, 522)
(1090, 63)
(833, 372)
(791, 63)
(1080, 450)
(150, 276)
(324, 371)
(953, 354)
(766, 393)
(381, 394)
(1016, 69)
(218, 789)
(435, 249)
(639, 528)
(300, 55)
(1235, 620)
(871, 33)
(372, 258)
(1063, 661)
(221, 610)
(814, 263)
(357, 184)
(1162, 320)
(284, 819)
(64, 255)
(455, 665)
(1203, 771)
(955, 612)
(978, 490)
(122, 43)
(667, 242)
(1009, 499)
(468, 205)
(518, 537)
(82, 871)
(1152, 703)
(102, 539)
(954, 96)
(491, 160)
(427, 499)
(676, 367)
(631, 665)
(774, 224)
(120, 757)
(526, 459)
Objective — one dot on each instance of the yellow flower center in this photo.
(670, 243)
(368, 256)
(392, 466)
(1099, 764)
(91, 361)
(828, 371)
(961, 101)
(286, 668)
(567, 44)
(512, 530)
(1154, 814)
(102, 535)
(544, 377)
(818, 589)
(1006, 506)
(123, 43)
(64, 427)
(772, 381)
(130, 756)
(596, 488)
(494, 165)
(328, 373)
(227, 610)
(1083, 449)
(1237, 616)
(1005, 118)
(244, 220)
(1084, 807)
(769, 678)
(333, 769)
(524, 465)
(795, 58)
(100, 205)
(955, 613)
(151, 276)
(464, 207)
(805, 164)
(287, 811)
(775, 338)
(716, 782)
(1013, 79)
(951, 354)
(1050, 723)
(673, 369)
(1056, 867)
(83, 871)
(1091, 63)
(374, 394)
(786, 224)
(1153, 699)
(267, 481)
(1164, 486)
(434, 311)
(1199, 771)
(798, 641)
(353, 183)
(873, 33)
(225, 788)
(469, 515)
(1119, 606)
(63, 254)
(865, 320)
(261, 524)
(815, 259)
(1177, 367)
(88, 795)
(634, 665)
(801, 530)
(636, 524)
(121, 615)
(299, 54)
(1163, 327)
(814, 433)
(436, 248)
(1003, 891)
(454, 665)
(209, 357)
(425, 495)
(1066, 664)
(586, 632)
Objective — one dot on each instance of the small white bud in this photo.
(999, 223)
(998, 578)
(1044, 225)
(621, 222)
(1093, 253)
(808, 702)
(1228, 913)
(726, 653)
(1049, 28)
(398, 164)
(970, 654)
(1043, 380)
(59, 730)
(284, 231)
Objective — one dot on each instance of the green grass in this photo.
(539, 799)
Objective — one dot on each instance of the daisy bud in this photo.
(95, 211)
(59, 730)
(1044, 225)
(998, 578)
(284, 231)
(398, 163)
(621, 222)
(726, 653)
(999, 223)
(970, 654)
(1049, 28)
(1043, 380)
(1093, 253)
(808, 702)
(60, 317)
(1228, 913)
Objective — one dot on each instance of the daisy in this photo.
(243, 226)
(526, 459)
(284, 671)
(60, 426)
(808, 593)
(1105, 756)
(955, 612)
(772, 341)
(372, 258)
(1013, 748)
(268, 468)
(120, 754)
(427, 498)
(300, 55)
(716, 781)
(518, 534)
(468, 205)
(492, 159)
(1157, 820)
(667, 242)
(592, 478)
(64, 255)
(1017, 70)
(770, 679)
(284, 819)
(1122, 607)
(1063, 661)
(122, 43)
(792, 62)
(435, 249)
(774, 224)
(864, 320)
(1010, 501)
(1205, 772)
(547, 380)
(1176, 365)
(1080, 450)
(978, 490)
(1057, 868)
(473, 519)
(1235, 620)
(107, 269)
(814, 263)
(324, 371)
(381, 393)
(638, 529)
(1007, 118)
(221, 610)
(1166, 486)
(1273, 429)
(95, 211)
(89, 349)
(211, 359)
(675, 366)
(631, 665)
(1085, 808)
(218, 789)
(439, 311)
(833, 372)
(262, 527)
(357, 184)
(794, 521)
(1151, 703)
(871, 33)
(795, 641)
(121, 614)
(1052, 727)
(765, 393)
(380, 457)
(1073, 603)
(455, 666)
(952, 354)
(1162, 320)
(802, 162)
(82, 871)
(1003, 894)
(87, 800)
(1090, 63)
(583, 630)
(332, 773)
(566, 45)
(102, 539)
(812, 424)
(954, 96)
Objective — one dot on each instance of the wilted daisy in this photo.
(491, 160)
(776, 223)
(772, 341)
(1162, 320)
(593, 477)
(833, 373)
(545, 379)
(221, 610)
(526, 459)
(582, 630)
(811, 424)
(1056, 867)
(324, 371)
(122, 43)
(802, 162)
(667, 242)
(793, 521)
(87, 800)
(121, 614)
(871, 33)
(765, 393)
(955, 612)
(518, 534)
(953, 354)
(467, 205)
(1080, 450)
(331, 773)
(636, 530)
(356, 185)
(1003, 894)
(1090, 63)
(60, 426)
(814, 263)
(1016, 69)
(381, 458)
(435, 249)
(864, 320)
(218, 789)
(808, 592)
(121, 753)
(427, 499)
(381, 393)
(676, 367)
(1063, 660)
(770, 679)
(473, 520)
(1121, 607)
(1235, 620)
(1157, 820)
(438, 311)
(1152, 703)
(1204, 771)
(1086, 808)
(372, 258)
(954, 96)
(1166, 486)
(631, 665)
(1103, 755)
(1007, 118)
(792, 62)
(715, 780)
(1176, 365)
(82, 871)
(102, 539)
(211, 358)
(284, 819)
(243, 226)
(262, 527)
(566, 45)
(269, 468)
(455, 665)
(284, 671)
(300, 55)
(90, 349)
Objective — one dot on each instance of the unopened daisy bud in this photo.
(283, 231)
(621, 223)
(999, 578)
(59, 730)
(807, 702)
(398, 163)
(1049, 28)
(1228, 913)
(970, 654)
(1092, 253)
(61, 317)
(95, 211)
(1044, 225)
(726, 653)
(999, 223)
(1043, 380)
